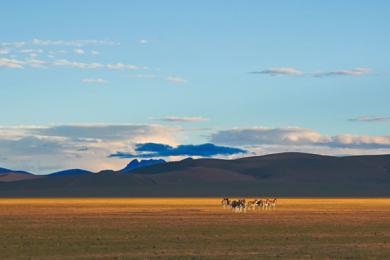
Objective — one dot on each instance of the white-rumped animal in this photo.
(272, 203)
(252, 204)
(225, 202)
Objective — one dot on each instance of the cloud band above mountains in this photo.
(95, 147)
(296, 136)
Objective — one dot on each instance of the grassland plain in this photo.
(116, 228)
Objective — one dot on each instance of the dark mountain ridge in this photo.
(70, 172)
(7, 175)
(8, 171)
(285, 174)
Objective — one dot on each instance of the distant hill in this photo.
(70, 172)
(135, 164)
(14, 177)
(7, 175)
(284, 174)
(7, 171)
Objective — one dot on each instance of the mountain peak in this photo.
(135, 164)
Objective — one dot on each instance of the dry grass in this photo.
(192, 228)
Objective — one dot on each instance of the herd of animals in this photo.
(242, 205)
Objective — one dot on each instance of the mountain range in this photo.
(283, 174)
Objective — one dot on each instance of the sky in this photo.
(94, 84)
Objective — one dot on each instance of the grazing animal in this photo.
(272, 203)
(260, 203)
(238, 206)
(269, 203)
(251, 204)
(225, 202)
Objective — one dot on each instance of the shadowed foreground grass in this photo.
(192, 228)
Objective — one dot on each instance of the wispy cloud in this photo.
(370, 119)
(17, 44)
(42, 42)
(79, 51)
(31, 51)
(11, 63)
(76, 43)
(121, 66)
(35, 63)
(94, 81)
(351, 72)
(177, 80)
(185, 119)
(286, 71)
(79, 65)
(19, 64)
(143, 41)
(280, 72)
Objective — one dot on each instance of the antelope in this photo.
(225, 202)
(238, 205)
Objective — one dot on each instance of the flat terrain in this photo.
(192, 228)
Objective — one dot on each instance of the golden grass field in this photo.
(193, 228)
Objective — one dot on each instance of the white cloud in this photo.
(177, 80)
(76, 43)
(185, 119)
(143, 41)
(291, 136)
(41, 42)
(121, 66)
(94, 81)
(35, 63)
(57, 52)
(105, 132)
(19, 64)
(11, 63)
(44, 149)
(79, 51)
(31, 51)
(93, 52)
(79, 65)
(18, 44)
(117, 66)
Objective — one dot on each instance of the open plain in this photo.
(116, 228)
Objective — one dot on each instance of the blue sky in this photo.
(262, 76)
